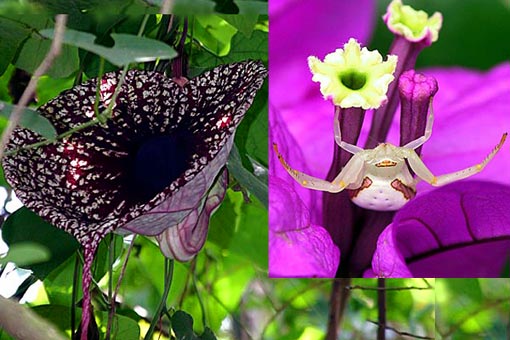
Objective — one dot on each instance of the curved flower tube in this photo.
(183, 241)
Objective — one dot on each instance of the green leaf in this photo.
(127, 48)
(494, 288)
(223, 222)
(24, 254)
(30, 119)
(58, 284)
(186, 7)
(251, 7)
(213, 33)
(253, 48)
(13, 34)
(251, 136)
(48, 88)
(256, 185)
(244, 23)
(149, 265)
(250, 241)
(3, 182)
(101, 260)
(207, 335)
(182, 324)
(241, 48)
(226, 6)
(25, 226)
(35, 49)
(124, 328)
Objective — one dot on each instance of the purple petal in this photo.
(296, 247)
(460, 230)
(288, 212)
(308, 252)
(185, 239)
(279, 134)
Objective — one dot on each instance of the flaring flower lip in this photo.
(354, 76)
(84, 184)
(413, 25)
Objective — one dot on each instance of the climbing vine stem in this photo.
(169, 271)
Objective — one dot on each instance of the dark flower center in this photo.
(353, 80)
(158, 162)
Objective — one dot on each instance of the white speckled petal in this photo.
(87, 183)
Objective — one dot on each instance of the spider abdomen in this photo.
(381, 194)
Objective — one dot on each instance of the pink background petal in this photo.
(308, 252)
(461, 230)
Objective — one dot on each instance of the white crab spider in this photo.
(379, 178)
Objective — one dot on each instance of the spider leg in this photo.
(424, 173)
(338, 136)
(428, 131)
(349, 176)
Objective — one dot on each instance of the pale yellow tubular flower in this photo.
(354, 76)
(415, 26)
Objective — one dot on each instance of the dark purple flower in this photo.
(150, 167)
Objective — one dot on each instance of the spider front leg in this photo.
(350, 176)
(424, 173)
(338, 136)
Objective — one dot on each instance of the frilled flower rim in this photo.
(354, 76)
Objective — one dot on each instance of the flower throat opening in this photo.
(158, 162)
(353, 80)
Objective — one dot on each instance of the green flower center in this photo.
(415, 23)
(353, 80)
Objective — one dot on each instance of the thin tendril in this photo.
(200, 302)
(74, 293)
(98, 88)
(111, 300)
(169, 271)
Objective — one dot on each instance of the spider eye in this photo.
(385, 163)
